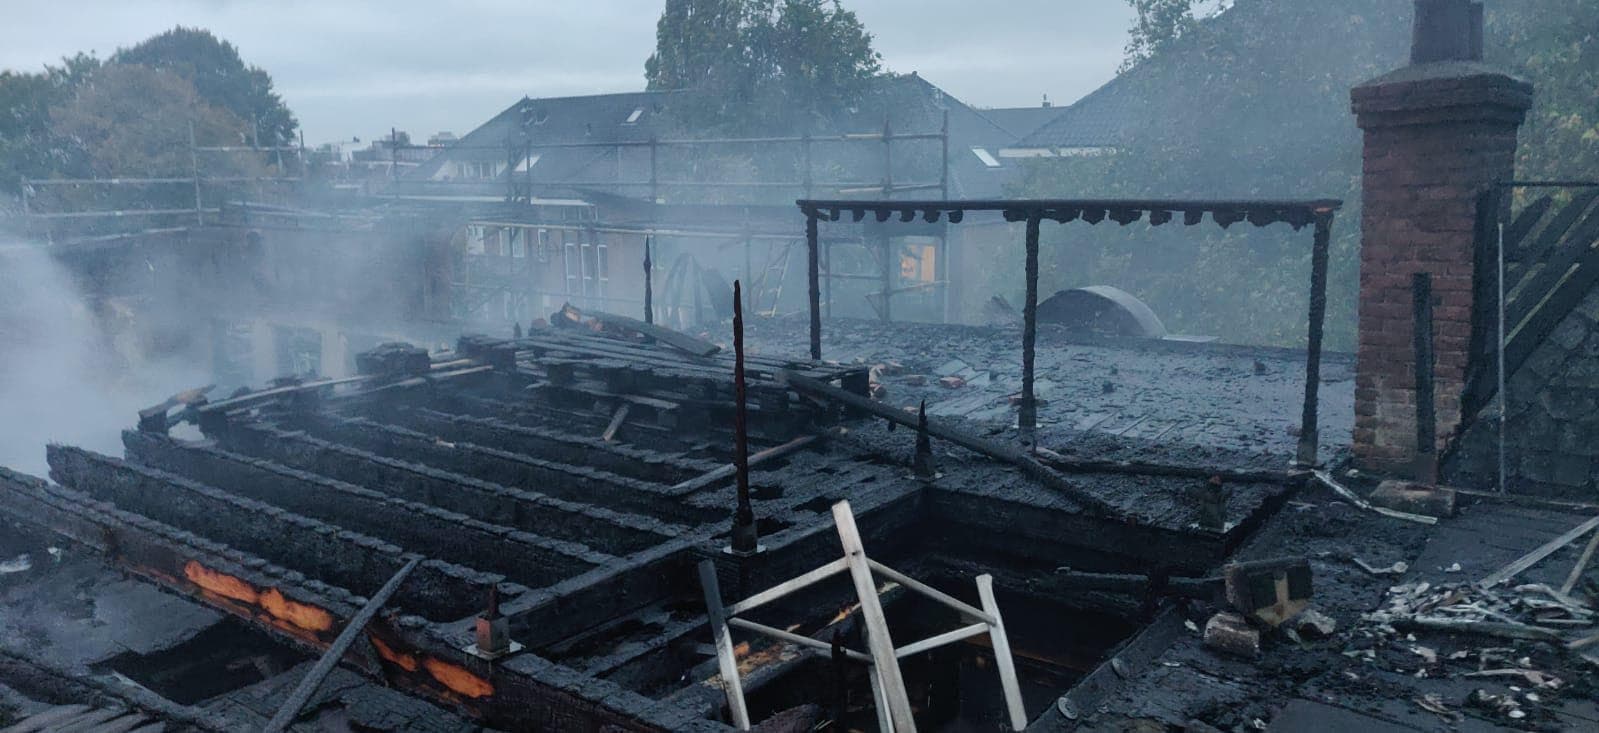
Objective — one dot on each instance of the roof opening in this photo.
(985, 156)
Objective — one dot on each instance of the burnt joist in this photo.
(526, 558)
(563, 445)
(516, 470)
(330, 554)
(610, 531)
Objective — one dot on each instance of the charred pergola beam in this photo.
(1295, 213)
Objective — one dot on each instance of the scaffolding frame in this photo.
(888, 685)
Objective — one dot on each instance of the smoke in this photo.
(67, 373)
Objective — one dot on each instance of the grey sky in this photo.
(355, 67)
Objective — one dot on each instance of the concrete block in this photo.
(1229, 633)
(1406, 496)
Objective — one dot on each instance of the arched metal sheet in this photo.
(1101, 310)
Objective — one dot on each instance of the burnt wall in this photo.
(1551, 421)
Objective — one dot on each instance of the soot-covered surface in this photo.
(1135, 400)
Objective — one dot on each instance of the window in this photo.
(633, 118)
(985, 156)
(527, 163)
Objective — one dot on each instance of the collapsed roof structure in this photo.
(552, 528)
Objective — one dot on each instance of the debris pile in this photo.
(1509, 635)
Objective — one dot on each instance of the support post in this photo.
(649, 293)
(805, 156)
(194, 170)
(1426, 470)
(887, 248)
(726, 663)
(815, 284)
(1027, 417)
(745, 539)
(302, 692)
(885, 665)
(1002, 656)
(1309, 438)
(655, 180)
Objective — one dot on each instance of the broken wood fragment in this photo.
(1581, 566)
(617, 419)
(1532, 558)
(1353, 498)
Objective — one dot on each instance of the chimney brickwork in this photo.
(1437, 134)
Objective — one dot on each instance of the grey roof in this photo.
(1099, 120)
(908, 103)
(1021, 121)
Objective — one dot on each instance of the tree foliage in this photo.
(220, 76)
(767, 63)
(1254, 103)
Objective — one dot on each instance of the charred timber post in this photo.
(745, 539)
(1426, 428)
(1308, 435)
(649, 293)
(1027, 420)
(812, 272)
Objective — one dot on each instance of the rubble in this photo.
(1229, 633)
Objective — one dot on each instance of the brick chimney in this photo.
(1437, 133)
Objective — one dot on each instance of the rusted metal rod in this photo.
(330, 659)
(745, 539)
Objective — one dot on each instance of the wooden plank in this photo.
(677, 340)
(725, 661)
(1002, 656)
(1528, 560)
(881, 645)
(948, 637)
(756, 458)
(308, 684)
(44, 719)
(931, 592)
(788, 586)
(796, 639)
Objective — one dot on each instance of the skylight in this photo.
(985, 156)
(637, 113)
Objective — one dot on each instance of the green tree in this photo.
(29, 147)
(771, 64)
(220, 77)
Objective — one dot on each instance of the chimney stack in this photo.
(1438, 133)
